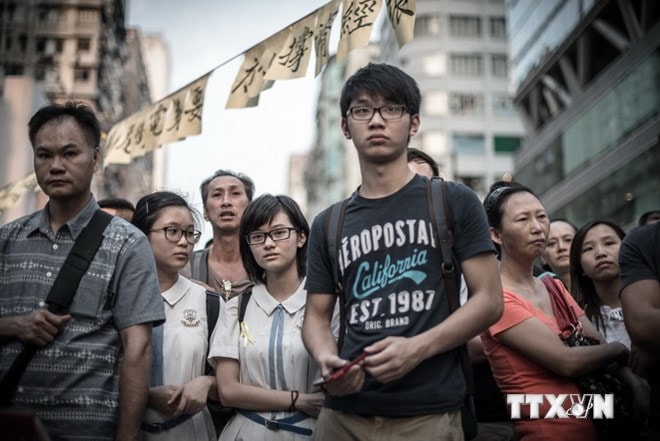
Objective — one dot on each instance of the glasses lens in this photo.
(280, 234)
(256, 238)
(391, 112)
(362, 113)
(192, 236)
(173, 234)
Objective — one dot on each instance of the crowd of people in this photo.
(276, 331)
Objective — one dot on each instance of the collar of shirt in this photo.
(75, 225)
(268, 303)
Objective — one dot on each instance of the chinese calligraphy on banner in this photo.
(10, 193)
(175, 117)
(285, 55)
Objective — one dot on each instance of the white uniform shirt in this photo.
(256, 349)
(185, 343)
(615, 328)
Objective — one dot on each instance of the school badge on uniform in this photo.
(190, 319)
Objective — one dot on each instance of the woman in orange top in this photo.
(523, 347)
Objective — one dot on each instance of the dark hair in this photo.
(148, 207)
(645, 217)
(416, 155)
(582, 286)
(382, 80)
(117, 203)
(262, 211)
(248, 183)
(497, 195)
(82, 113)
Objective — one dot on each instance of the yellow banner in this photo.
(357, 23)
(402, 18)
(323, 26)
(293, 59)
(251, 80)
(12, 192)
(171, 119)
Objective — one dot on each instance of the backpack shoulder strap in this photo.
(61, 293)
(332, 227)
(77, 262)
(199, 265)
(212, 310)
(243, 300)
(442, 221)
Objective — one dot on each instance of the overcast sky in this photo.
(203, 34)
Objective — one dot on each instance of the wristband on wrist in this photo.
(294, 397)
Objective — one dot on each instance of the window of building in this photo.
(435, 64)
(8, 42)
(22, 42)
(59, 45)
(426, 25)
(81, 74)
(497, 27)
(87, 15)
(468, 143)
(498, 67)
(48, 15)
(502, 105)
(466, 104)
(13, 69)
(435, 103)
(466, 64)
(468, 26)
(84, 44)
(506, 144)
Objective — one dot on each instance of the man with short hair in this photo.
(421, 163)
(225, 195)
(118, 207)
(410, 385)
(89, 379)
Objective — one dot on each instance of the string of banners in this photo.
(282, 56)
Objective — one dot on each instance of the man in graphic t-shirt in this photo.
(410, 385)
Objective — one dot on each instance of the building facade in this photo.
(586, 76)
(80, 50)
(459, 58)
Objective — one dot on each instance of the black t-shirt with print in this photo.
(393, 286)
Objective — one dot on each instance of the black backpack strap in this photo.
(212, 312)
(61, 293)
(441, 219)
(333, 225)
(199, 265)
(77, 262)
(243, 300)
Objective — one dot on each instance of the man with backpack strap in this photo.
(89, 376)
(225, 194)
(410, 385)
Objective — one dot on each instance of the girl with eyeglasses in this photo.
(176, 408)
(262, 367)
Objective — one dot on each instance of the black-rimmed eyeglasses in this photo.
(258, 237)
(174, 234)
(388, 113)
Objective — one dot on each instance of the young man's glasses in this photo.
(277, 234)
(388, 113)
(173, 234)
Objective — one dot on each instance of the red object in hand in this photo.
(341, 371)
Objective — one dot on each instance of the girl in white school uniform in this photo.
(262, 367)
(176, 408)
